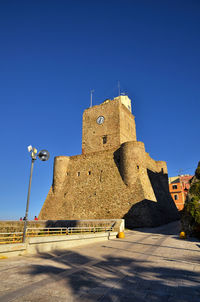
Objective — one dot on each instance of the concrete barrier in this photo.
(11, 250)
(36, 245)
(41, 244)
(47, 244)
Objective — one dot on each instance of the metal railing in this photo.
(41, 232)
(11, 237)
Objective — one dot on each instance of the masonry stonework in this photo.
(114, 177)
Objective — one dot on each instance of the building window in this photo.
(175, 197)
(79, 173)
(174, 187)
(104, 139)
(89, 172)
(138, 167)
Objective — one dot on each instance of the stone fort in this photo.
(114, 177)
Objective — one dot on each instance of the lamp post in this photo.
(42, 155)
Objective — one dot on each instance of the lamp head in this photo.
(43, 155)
(30, 148)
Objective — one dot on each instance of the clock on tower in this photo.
(108, 125)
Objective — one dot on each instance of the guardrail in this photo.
(17, 237)
(11, 237)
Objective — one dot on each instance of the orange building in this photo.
(178, 188)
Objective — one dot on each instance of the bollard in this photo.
(121, 235)
(182, 235)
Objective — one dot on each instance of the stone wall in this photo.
(12, 226)
(93, 133)
(118, 126)
(93, 188)
(127, 125)
(107, 184)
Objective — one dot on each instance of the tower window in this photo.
(101, 175)
(138, 167)
(175, 197)
(79, 173)
(104, 139)
(89, 172)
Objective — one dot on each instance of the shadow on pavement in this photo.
(171, 248)
(172, 228)
(116, 278)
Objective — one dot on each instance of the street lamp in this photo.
(42, 155)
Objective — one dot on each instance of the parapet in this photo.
(124, 100)
(162, 166)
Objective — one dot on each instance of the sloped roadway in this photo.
(148, 265)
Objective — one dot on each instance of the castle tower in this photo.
(108, 125)
(114, 177)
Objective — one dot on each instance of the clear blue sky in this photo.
(53, 52)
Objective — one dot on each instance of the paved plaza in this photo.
(149, 265)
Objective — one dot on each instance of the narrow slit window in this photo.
(138, 167)
(105, 139)
(89, 172)
(101, 175)
(79, 173)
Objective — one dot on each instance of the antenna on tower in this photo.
(91, 93)
(118, 85)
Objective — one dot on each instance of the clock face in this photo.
(100, 120)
